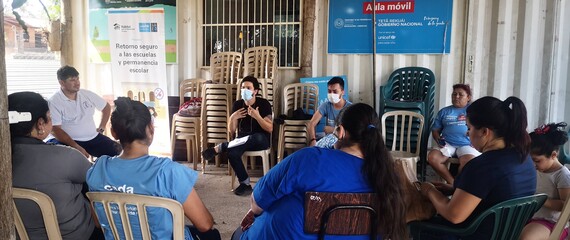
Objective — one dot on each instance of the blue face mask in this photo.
(246, 94)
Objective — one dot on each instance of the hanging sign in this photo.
(402, 27)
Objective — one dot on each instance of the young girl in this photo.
(552, 178)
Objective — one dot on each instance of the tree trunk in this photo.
(308, 37)
(66, 34)
(6, 212)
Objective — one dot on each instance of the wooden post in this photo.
(308, 36)
(6, 212)
(66, 34)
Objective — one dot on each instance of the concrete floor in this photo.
(214, 189)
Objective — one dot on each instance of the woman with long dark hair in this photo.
(360, 163)
(503, 171)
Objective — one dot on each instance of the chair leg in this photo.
(233, 175)
(194, 154)
(252, 161)
(265, 160)
(173, 135)
(189, 152)
(204, 146)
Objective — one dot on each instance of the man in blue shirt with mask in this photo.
(251, 117)
(330, 110)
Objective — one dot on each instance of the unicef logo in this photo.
(338, 23)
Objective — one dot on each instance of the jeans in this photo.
(98, 146)
(256, 142)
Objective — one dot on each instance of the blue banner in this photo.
(402, 27)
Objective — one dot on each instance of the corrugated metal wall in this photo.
(501, 48)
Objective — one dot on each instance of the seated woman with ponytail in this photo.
(502, 172)
(137, 172)
(359, 163)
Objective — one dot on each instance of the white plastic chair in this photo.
(122, 200)
(406, 127)
(47, 208)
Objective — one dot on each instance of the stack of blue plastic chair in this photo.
(411, 89)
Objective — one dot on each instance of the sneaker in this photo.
(243, 189)
(209, 153)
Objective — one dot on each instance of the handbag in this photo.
(418, 207)
(191, 108)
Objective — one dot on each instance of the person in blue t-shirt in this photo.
(330, 110)
(449, 130)
(359, 163)
(503, 171)
(136, 172)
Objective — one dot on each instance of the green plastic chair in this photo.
(510, 218)
(411, 89)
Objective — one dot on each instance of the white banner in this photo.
(136, 39)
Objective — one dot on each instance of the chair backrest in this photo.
(225, 67)
(561, 223)
(47, 209)
(402, 130)
(340, 214)
(509, 216)
(409, 84)
(217, 100)
(266, 89)
(564, 152)
(113, 202)
(300, 95)
(260, 62)
(191, 88)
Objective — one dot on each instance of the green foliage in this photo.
(53, 11)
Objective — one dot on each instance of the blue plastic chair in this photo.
(411, 89)
(509, 216)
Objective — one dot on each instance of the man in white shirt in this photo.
(72, 111)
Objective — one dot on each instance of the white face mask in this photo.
(246, 94)
(333, 98)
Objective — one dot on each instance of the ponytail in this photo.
(507, 119)
(516, 134)
(379, 170)
(362, 124)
